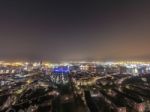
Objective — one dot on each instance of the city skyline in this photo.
(74, 56)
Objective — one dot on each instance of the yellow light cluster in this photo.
(11, 63)
(131, 62)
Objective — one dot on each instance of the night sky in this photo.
(64, 31)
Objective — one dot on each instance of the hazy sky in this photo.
(38, 29)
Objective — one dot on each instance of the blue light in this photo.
(61, 69)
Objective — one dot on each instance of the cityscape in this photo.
(75, 86)
(74, 56)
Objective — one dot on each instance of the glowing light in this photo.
(61, 69)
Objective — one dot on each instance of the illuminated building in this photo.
(60, 74)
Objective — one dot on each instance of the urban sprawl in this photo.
(75, 86)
